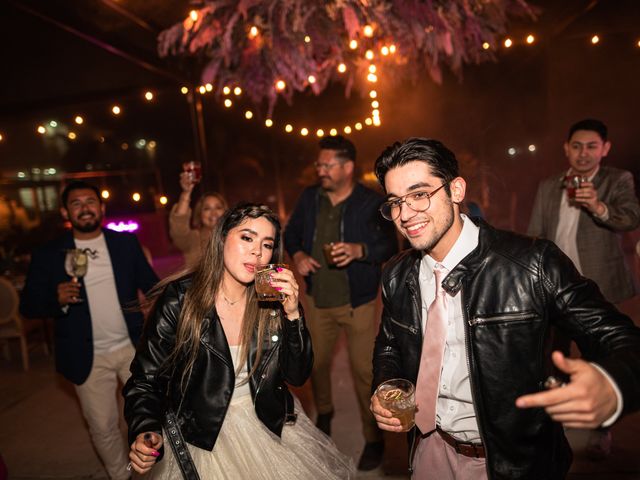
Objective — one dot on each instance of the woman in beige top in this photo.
(191, 233)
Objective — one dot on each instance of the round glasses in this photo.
(416, 201)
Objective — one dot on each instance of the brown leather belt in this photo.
(468, 449)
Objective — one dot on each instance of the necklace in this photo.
(231, 303)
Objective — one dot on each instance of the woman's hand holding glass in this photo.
(144, 451)
(284, 281)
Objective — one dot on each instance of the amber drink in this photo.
(398, 396)
(326, 249)
(264, 291)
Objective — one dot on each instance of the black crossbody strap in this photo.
(179, 447)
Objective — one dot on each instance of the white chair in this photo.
(13, 325)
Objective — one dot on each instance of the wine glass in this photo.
(76, 263)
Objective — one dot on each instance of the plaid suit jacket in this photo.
(599, 242)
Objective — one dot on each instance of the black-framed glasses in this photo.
(416, 201)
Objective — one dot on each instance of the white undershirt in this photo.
(240, 390)
(455, 412)
(567, 230)
(107, 320)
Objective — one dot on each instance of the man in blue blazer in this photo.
(95, 331)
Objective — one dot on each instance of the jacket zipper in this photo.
(516, 317)
(413, 330)
(468, 359)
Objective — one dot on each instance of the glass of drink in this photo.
(326, 249)
(398, 396)
(571, 182)
(264, 290)
(76, 264)
(194, 170)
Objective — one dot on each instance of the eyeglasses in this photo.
(325, 166)
(416, 201)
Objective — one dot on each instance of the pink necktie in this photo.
(435, 334)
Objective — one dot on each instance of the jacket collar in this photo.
(453, 281)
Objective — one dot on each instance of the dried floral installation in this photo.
(303, 43)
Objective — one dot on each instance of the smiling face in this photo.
(212, 210)
(248, 244)
(85, 212)
(585, 150)
(436, 229)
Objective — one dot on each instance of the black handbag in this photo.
(179, 447)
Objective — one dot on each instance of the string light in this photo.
(41, 130)
(135, 197)
(105, 194)
(320, 132)
(116, 110)
(368, 121)
(237, 91)
(288, 128)
(373, 94)
(392, 49)
(253, 32)
(372, 69)
(375, 104)
(79, 120)
(372, 78)
(1, 137)
(307, 39)
(486, 45)
(595, 39)
(280, 85)
(148, 95)
(53, 124)
(368, 31)
(268, 122)
(228, 103)
(508, 43)
(347, 129)
(226, 90)
(384, 50)
(72, 135)
(369, 55)
(248, 114)
(208, 87)
(194, 15)
(333, 132)
(163, 200)
(342, 68)
(202, 89)
(530, 39)
(311, 79)
(358, 126)
(304, 131)
(184, 90)
(353, 44)
(532, 148)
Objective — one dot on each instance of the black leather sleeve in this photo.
(146, 389)
(603, 334)
(296, 357)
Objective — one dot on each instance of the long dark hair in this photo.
(206, 281)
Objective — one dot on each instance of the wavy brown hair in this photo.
(206, 281)
(196, 217)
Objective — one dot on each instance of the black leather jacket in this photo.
(286, 357)
(514, 290)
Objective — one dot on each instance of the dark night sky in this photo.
(529, 96)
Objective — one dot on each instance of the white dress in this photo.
(246, 449)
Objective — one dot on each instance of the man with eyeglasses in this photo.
(341, 215)
(468, 315)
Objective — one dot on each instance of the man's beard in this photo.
(87, 227)
(428, 243)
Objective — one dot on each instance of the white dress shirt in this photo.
(455, 412)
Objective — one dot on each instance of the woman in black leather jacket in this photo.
(219, 361)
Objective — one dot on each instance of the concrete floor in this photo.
(43, 436)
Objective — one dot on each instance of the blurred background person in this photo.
(338, 241)
(190, 232)
(95, 332)
(585, 211)
(219, 359)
